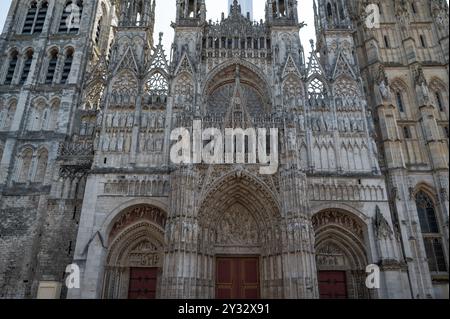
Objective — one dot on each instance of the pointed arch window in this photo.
(413, 7)
(29, 19)
(35, 18)
(439, 102)
(13, 59)
(25, 165)
(68, 59)
(316, 89)
(432, 237)
(400, 105)
(406, 132)
(423, 43)
(41, 167)
(157, 85)
(329, 11)
(386, 42)
(98, 33)
(40, 17)
(26, 66)
(53, 61)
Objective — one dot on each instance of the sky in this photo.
(165, 14)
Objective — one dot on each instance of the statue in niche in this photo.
(97, 142)
(152, 121)
(159, 144)
(340, 124)
(321, 123)
(142, 142)
(105, 143)
(291, 139)
(123, 120)
(144, 121)
(120, 142)
(109, 120)
(113, 143)
(99, 119)
(421, 86)
(347, 127)
(150, 143)
(161, 121)
(128, 143)
(353, 125)
(301, 120)
(382, 83)
(130, 120)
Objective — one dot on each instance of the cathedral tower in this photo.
(45, 47)
(404, 65)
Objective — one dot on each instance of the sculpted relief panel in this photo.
(237, 227)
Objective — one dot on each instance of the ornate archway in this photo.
(220, 85)
(239, 221)
(341, 255)
(135, 255)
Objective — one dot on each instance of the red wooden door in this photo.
(142, 283)
(237, 278)
(332, 285)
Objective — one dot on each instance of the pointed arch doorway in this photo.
(135, 255)
(341, 255)
(240, 239)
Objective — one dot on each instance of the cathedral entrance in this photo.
(237, 278)
(240, 241)
(142, 283)
(340, 255)
(135, 258)
(332, 285)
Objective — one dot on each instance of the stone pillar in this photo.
(298, 252)
(180, 276)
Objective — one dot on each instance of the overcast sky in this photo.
(166, 14)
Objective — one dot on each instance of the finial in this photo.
(312, 43)
(160, 37)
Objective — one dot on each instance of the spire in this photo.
(237, 114)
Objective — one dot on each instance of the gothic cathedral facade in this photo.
(87, 111)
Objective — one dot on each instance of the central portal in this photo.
(237, 278)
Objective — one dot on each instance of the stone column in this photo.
(298, 252)
(180, 265)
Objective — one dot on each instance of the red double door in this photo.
(332, 285)
(237, 278)
(142, 283)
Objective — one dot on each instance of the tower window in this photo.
(406, 132)
(386, 41)
(99, 30)
(439, 101)
(67, 66)
(400, 105)
(29, 19)
(40, 18)
(427, 213)
(329, 11)
(53, 61)
(431, 235)
(423, 42)
(11, 67)
(26, 67)
(35, 18)
(413, 7)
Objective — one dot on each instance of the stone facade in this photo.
(87, 113)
